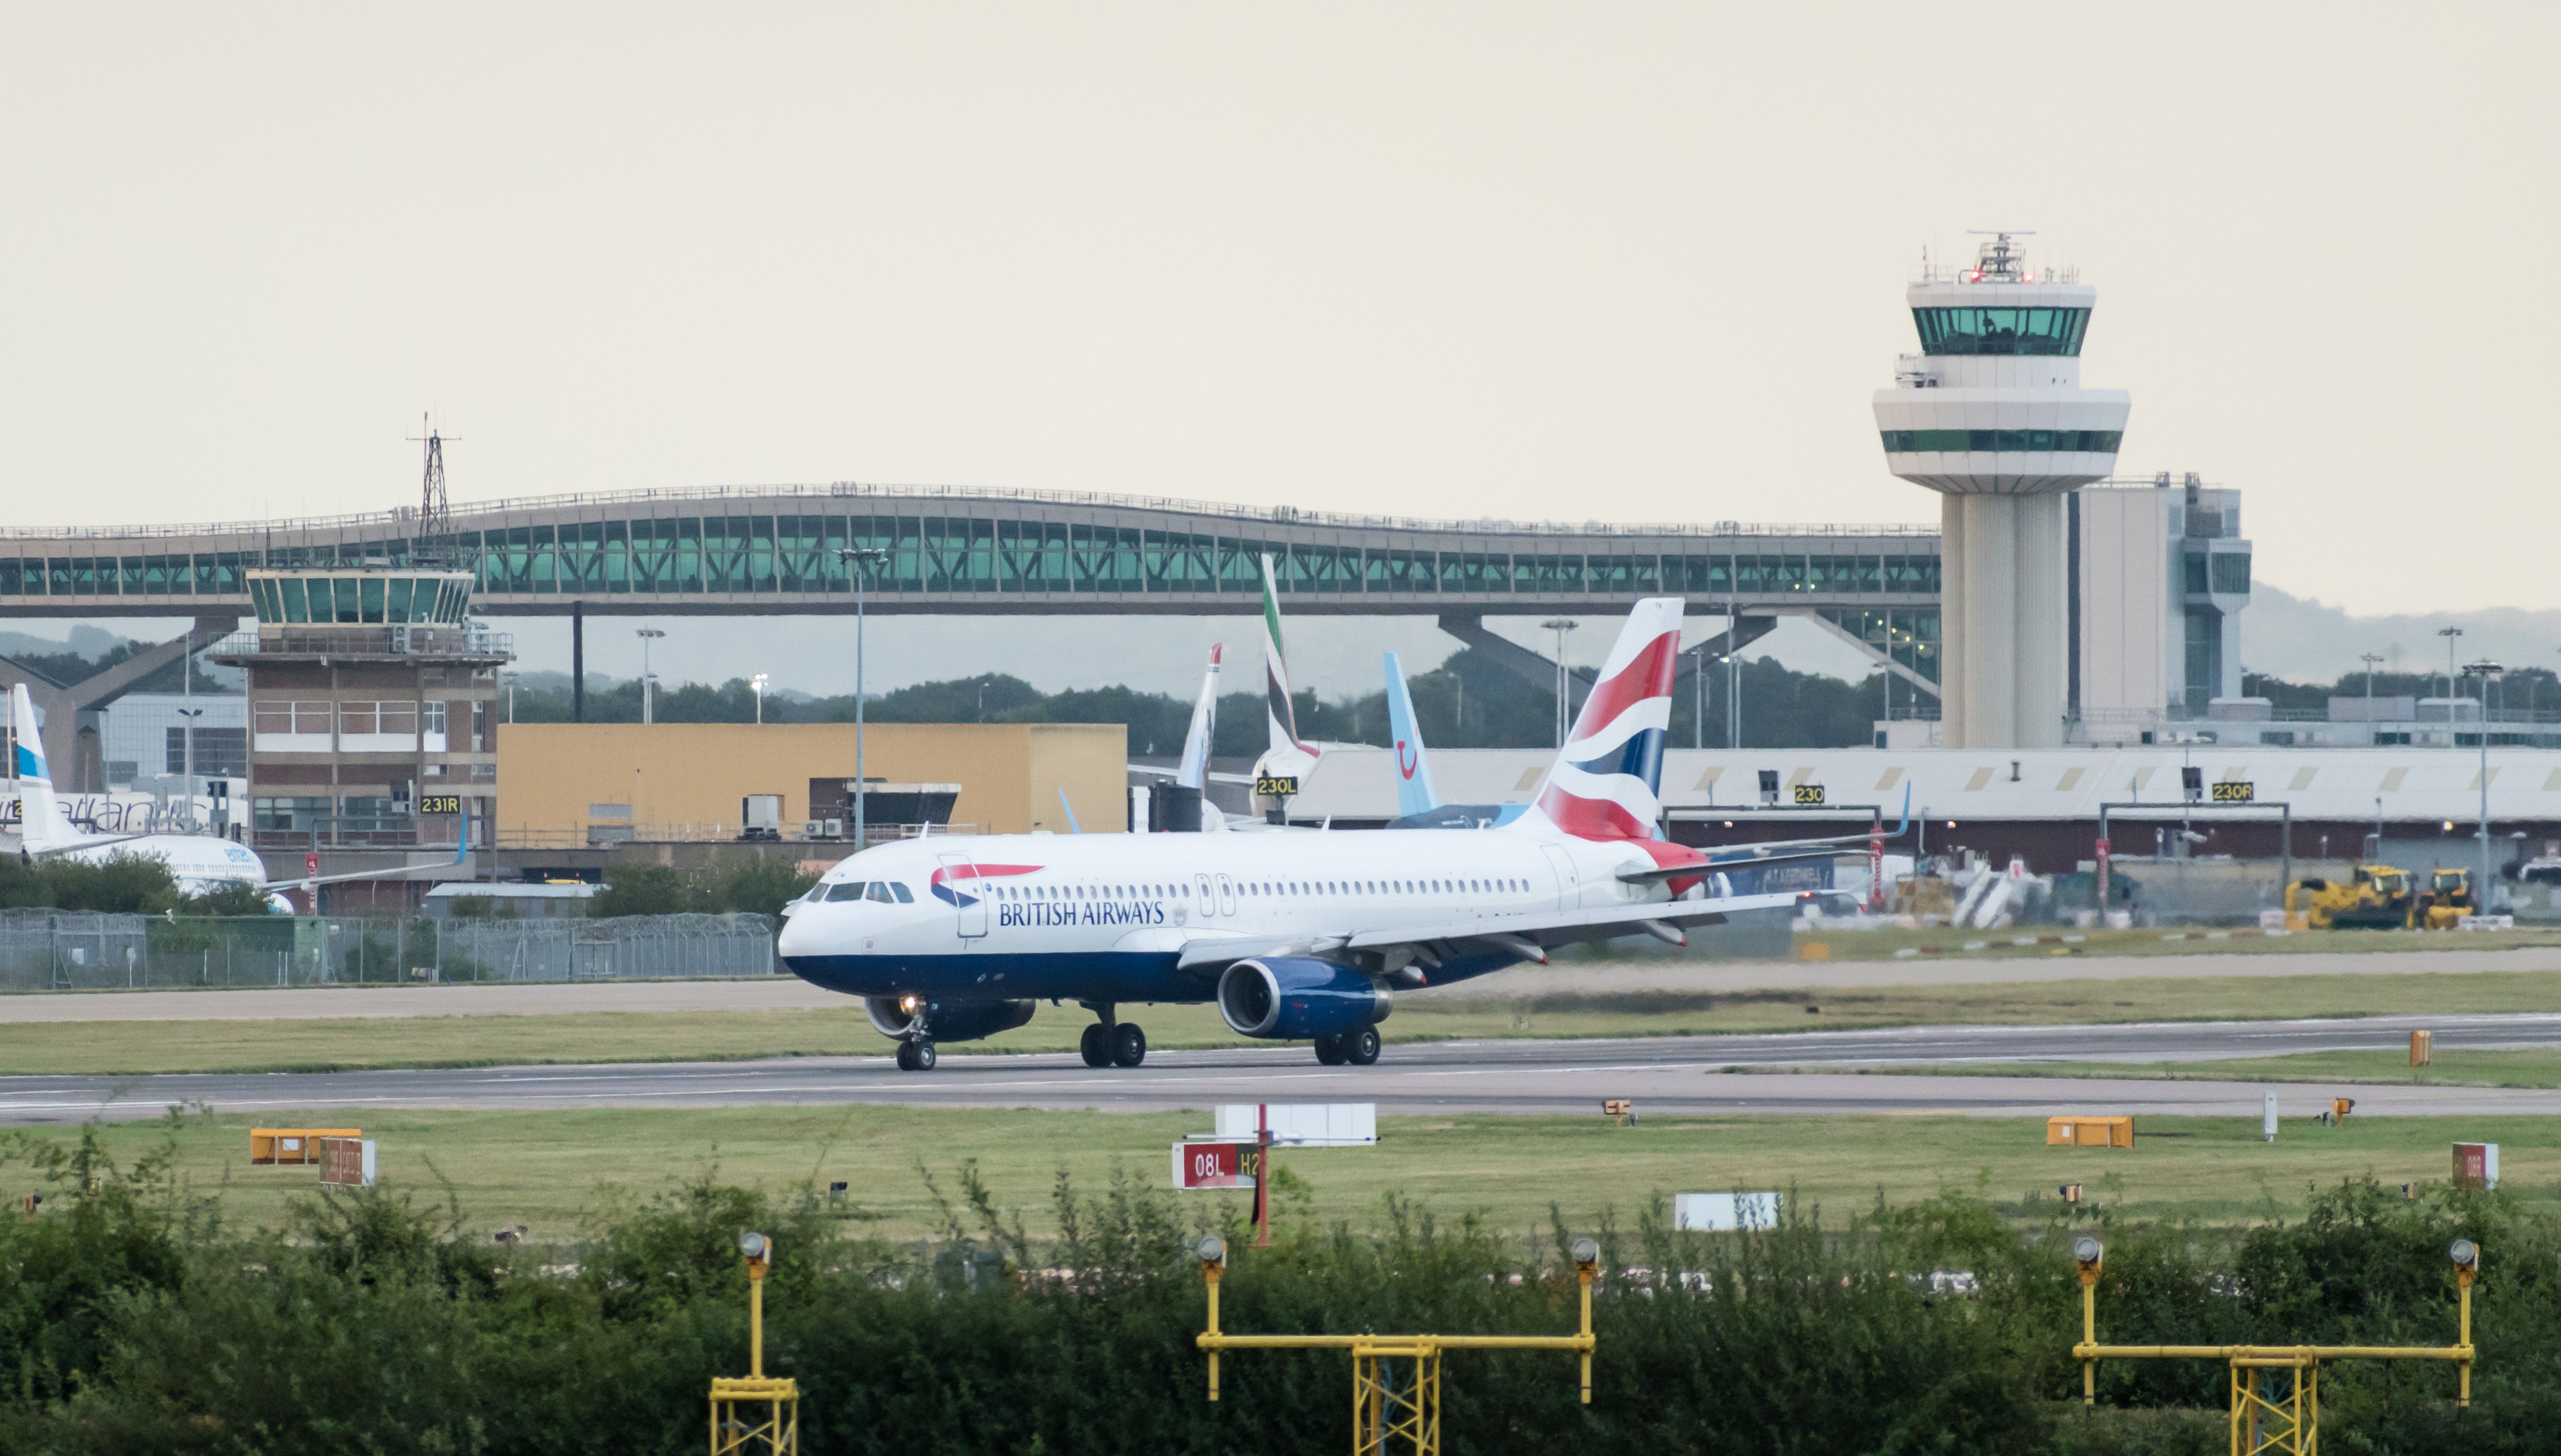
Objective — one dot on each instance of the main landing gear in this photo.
(1108, 1043)
(916, 1054)
(1359, 1046)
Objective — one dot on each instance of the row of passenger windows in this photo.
(1274, 888)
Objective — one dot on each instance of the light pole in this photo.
(2449, 634)
(758, 683)
(190, 711)
(2485, 671)
(510, 679)
(648, 679)
(859, 559)
(1698, 719)
(1560, 626)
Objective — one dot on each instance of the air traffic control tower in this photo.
(1991, 414)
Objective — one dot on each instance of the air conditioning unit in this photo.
(836, 828)
(813, 829)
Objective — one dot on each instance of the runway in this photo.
(1665, 1075)
(1577, 978)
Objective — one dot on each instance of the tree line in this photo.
(1467, 702)
(133, 1317)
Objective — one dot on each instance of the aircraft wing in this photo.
(1657, 873)
(461, 854)
(1153, 771)
(1529, 934)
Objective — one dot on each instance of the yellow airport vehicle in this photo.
(2443, 904)
(2372, 897)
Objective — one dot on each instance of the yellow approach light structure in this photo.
(1396, 1408)
(758, 1416)
(2275, 1389)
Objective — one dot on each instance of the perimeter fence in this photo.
(58, 950)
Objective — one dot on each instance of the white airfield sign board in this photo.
(1301, 1124)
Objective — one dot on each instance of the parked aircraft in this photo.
(199, 863)
(1417, 804)
(1300, 937)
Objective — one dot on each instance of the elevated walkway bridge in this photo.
(772, 551)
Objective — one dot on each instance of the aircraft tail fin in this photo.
(1194, 773)
(1414, 794)
(1608, 780)
(1280, 710)
(42, 823)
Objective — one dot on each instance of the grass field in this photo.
(2047, 940)
(550, 1169)
(484, 1040)
(2459, 1068)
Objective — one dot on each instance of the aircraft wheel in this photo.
(1360, 1048)
(925, 1056)
(907, 1057)
(1094, 1045)
(1330, 1049)
(1129, 1045)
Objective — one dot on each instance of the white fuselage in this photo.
(198, 862)
(1105, 916)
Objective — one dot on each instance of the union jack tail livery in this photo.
(1608, 780)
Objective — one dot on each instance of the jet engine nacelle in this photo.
(1291, 998)
(943, 1022)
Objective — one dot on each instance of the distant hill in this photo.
(2309, 641)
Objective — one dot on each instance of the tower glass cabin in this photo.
(371, 706)
(1991, 414)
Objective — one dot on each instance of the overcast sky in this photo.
(1626, 261)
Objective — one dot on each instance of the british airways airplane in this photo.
(1303, 936)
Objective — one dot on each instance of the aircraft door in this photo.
(960, 876)
(1203, 904)
(1226, 895)
(1569, 885)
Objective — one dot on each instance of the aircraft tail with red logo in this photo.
(1414, 794)
(1608, 780)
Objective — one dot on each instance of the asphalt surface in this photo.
(1571, 977)
(1665, 1075)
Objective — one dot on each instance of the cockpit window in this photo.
(880, 893)
(850, 890)
(900, 889)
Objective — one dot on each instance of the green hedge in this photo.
(133, 1320)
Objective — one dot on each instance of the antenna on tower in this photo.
(429, 545)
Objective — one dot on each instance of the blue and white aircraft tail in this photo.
(1418, 802)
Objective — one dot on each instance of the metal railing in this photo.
(386, 641)
(400, 522)
(54, 950)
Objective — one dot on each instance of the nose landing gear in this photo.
(916, 1054)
